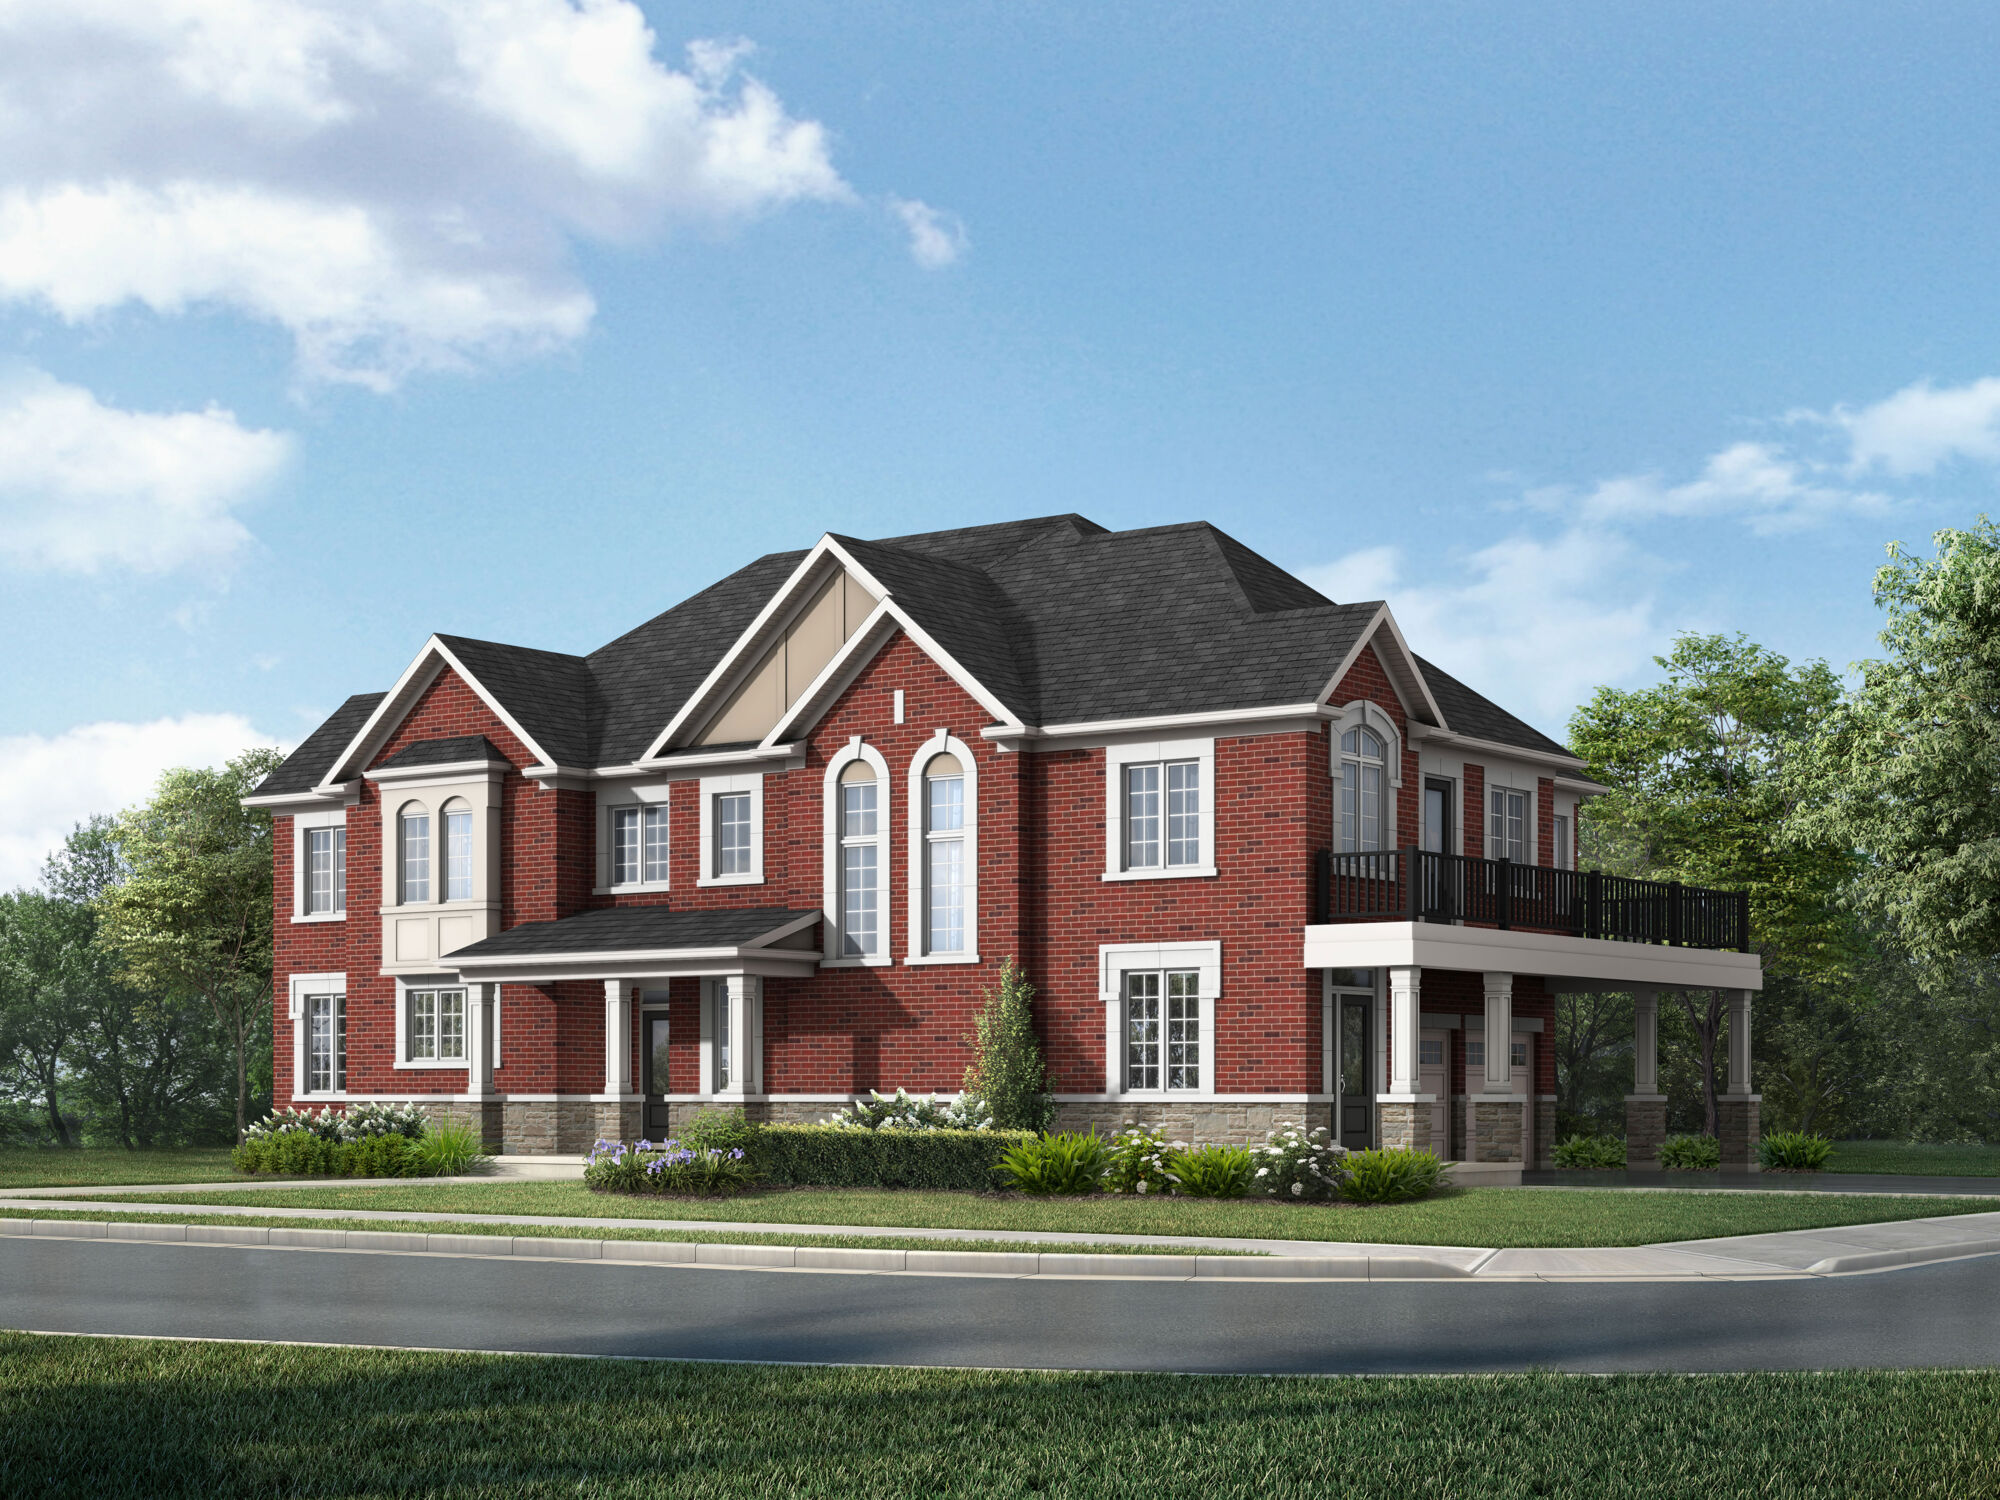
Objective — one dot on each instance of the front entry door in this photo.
(1357, 1099)
(653, 1040)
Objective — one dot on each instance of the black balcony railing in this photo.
(1411, 885)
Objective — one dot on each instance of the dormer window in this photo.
(413, 856)
(1361, 767)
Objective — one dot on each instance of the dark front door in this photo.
(653, 1037)
(1440, 877)
(1357, 1099)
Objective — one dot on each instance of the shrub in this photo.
(1390, 1176)
(1794, 1151)
(1212, 1171)
(364, 1120)
(836, 1156)
(322, 1123)
(1137, 1161)
(717, 1130)
(1690, 1153)
(1591, 1153)
(305, 1153)
(901, 1111)
(1070, 1164)
(667, 1167)
(449, 1149)
(1296, 1163)
(1006, 1073)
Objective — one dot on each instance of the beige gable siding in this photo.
(808, 644)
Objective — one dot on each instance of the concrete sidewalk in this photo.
(1791, 1253)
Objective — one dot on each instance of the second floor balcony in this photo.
(1414, 885)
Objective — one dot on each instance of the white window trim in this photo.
(1114, 960)
(1363, 714)
(716, 786)
(406, 983)
(626, 797)
(301, 985)
(301, 822)
(855, 749)
(1530, 853)
(938, 744)
(1116, 759)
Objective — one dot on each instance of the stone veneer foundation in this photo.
(1496, 1129)
(1736, 1131)
(1405, 1126)
(1645, 1129)
(1197, 1121)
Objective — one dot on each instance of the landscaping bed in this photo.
(114, 1417)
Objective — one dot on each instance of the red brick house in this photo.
(1262, 861)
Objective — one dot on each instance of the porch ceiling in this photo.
(1568, 962)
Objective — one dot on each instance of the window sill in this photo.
(924, 959)
(708, 880)
(1178, 872)
(631, 888)
(1162, 1096)
(432, 1065)
(319, 916)
(856, 963)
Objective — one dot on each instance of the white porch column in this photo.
(1499, 1035)
(479, 1003)
(1739, 1042)
(743, 998)
(1645, 1040)
(1405, 1004)
(617, 1038)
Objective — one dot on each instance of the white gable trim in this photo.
(396, 704)
(1412, 692)
(836, 676)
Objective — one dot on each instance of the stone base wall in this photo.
(1645, 1128)
(1545, 1135)
(1737, 1132)
(1405, 1126)
(1196, 1121)
(1496, 1130)
(564, 1127)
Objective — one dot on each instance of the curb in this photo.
(1882, 1260)
(1055, 1266)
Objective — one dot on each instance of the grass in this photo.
(1916, 1158)
(583, 1232)
(93, 1166)
(117, 1417)
(1526, 1218)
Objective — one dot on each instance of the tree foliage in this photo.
(1006, 1070)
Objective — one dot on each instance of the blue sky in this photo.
(1562, 330)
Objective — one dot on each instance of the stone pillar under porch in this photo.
(1496, 1129)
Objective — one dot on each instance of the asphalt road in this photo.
(1942, 1315)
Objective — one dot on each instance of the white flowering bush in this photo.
(905, 1111)
(1138, 1161)
(323, 1123)
(1299, 1164)
(364, 1120)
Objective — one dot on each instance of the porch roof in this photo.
(646, 942)
(1568, 963)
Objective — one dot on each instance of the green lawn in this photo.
(1501, 1217)
(35, 1166)
(579, 1232)
(116, 1417)
(1920, 1159)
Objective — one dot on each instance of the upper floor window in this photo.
(732, 833)
(326, 870)
(1162, 814)
(944, 855)
(413, 855)
(1565, 851)
(1507, 825)
(1361, 766)
(859, 839)
(638, 845)
(457, 852)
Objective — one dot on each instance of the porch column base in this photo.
(1495, 1133)
(1405, 1121)
(1737, 1131)
(1645, 1129)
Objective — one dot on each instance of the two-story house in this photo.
(1262, 861)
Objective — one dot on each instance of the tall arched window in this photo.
(413, 854)
(944, 855)
(457, 850)
(1361, 760)
(859, 856)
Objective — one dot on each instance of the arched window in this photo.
(944, 855)
(457, 850)
(859, 860)
(413, 854)
(1361, 766)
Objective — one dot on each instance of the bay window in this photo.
(413, 855)
(457, 852)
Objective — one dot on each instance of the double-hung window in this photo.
(326, 1044)
(1163, 815)
(944, 855)
(1565, 851)
(1507, 825)
(1361, 766)
(638, 845)
(1163, 1029)
(434, 1025)
(860, 855)
(457, 852)
(413, 856)
(326, 871)
(732, 833)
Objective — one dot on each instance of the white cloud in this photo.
(1920, 427)
(1760, 484)
(49, 784)
(84, 486)
(396, 183)
(937, 239)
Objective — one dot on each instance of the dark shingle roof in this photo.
(445, 752)
(303, 768)
(635, 929)
(1060, 619)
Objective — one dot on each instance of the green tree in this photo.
(1906, 770)
(1006, 1070)
(192, 917)
(1700, 771)
(45, 953)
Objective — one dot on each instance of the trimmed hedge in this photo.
(299, 1153)
(834, 1156)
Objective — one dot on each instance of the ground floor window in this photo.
(434, 1028)
(1163, 1029)
(326, 1043)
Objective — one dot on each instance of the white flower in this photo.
(1263, 1171)
(1298, 1188)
